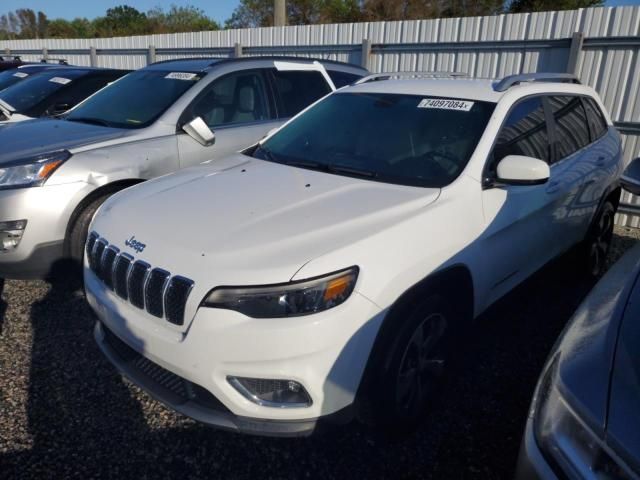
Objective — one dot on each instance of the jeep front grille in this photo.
(151, 289)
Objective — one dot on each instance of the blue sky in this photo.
(218, 9)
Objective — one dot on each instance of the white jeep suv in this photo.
(324, 272)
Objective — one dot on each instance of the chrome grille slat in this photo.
(151, 289)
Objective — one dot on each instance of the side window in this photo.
(298, 90)
(238, 97)
(340, 79)
(524, 132)
(597, 123)
(572, 132)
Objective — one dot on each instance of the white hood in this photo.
(253, 223)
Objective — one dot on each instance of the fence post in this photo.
(45, 54)
(93, 56)
(574, 52)
(151, 54)
(7, 52)
(237, 50)
(366, 53)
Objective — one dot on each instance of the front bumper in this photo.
(325, 352)
(531, 463)
(47, 210)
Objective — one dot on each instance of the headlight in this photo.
(286, 299)
(566, 441)
(33, 171)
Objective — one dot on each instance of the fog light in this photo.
(272, 393)
(11, 234)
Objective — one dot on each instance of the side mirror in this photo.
(630, 179)
(58, 109)
(200, 131)
(521, 170)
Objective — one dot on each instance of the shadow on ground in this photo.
(86, 422)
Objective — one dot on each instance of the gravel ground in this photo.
(65, 413)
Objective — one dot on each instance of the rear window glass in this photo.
(297, 90)
(10, 77)
(572, 132)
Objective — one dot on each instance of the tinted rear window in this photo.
(572, 132)
(10, 77)
(298, 90)
(403, 139)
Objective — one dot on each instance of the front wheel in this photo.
(411, 365)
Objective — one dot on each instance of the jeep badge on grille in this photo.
(135, 244)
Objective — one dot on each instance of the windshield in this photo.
(403, 139)
(136, 100)
(36, 88)
(9, 77)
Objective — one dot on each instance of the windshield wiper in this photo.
(351, 171)
(307, 164)
(92, 121)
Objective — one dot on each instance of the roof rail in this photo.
(59, 61)
(511, 80)
(376, 77)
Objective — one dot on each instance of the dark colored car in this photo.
(584, 421)
(8, 62)
(14, 75)
(53, 91)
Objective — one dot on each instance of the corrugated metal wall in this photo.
(491, 46)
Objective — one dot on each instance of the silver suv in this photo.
(55, 173)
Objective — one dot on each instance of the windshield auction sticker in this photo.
(20, 74)
(60, 80)
(446, 104)
(181, 76)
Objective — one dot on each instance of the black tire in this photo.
(597, 242)
(410, 365)
(77, 236)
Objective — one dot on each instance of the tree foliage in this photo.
(122, 20)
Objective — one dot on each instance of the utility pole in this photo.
(279, 13)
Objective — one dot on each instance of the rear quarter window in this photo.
(342, 79)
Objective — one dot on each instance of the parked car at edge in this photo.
(584, 421)
(325, 272)
(55, 173)
(53, 91)
(12, 76)
(8, 62)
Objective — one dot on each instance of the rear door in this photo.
(238, 107)
(575, 174)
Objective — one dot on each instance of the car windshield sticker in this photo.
(182, 76)
(446, 104)
(60, 80)
(20, 74)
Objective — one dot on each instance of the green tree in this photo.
(60, 28)
(517, 6)
(120, 21)
(83, 28)
(180, 19)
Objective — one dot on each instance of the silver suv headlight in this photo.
(566, 441)
(32, 171)
(286, 299)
